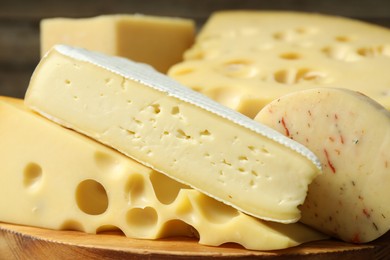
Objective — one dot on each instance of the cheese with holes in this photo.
(55, 178)
(175, 130)
(350, 133)
(158, 41)
(245, 59)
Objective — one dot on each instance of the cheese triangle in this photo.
(177, 131)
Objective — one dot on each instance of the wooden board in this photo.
(21, 242)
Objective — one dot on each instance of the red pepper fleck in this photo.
(331, 139)
(356, 238)
(336, 117)
(366, 213)
(375, 226)
(308, 111)
(285, 127)
(342, 139)
(331, 166)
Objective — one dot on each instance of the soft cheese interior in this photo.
(112, 100)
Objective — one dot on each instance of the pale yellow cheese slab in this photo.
(179, 132)
(350, 133)
(52, 177)
(155, 40)
(246, 59)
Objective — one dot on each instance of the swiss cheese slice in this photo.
(52, 177)
(157, 41)
(246, 59)
(175, 130)
(350, 133)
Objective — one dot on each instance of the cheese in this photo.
(166, 126)
(158, 41)
(246, 59)
(350, 133)
(52, 177)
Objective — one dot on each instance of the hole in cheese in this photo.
(156, 108)
(91, 197)
(374, 51)
(109, 230)
(32, 175)
(243, 158)
(290, 56)
(307, 30)
(175, 110)
(68, 82)
(227, 96)
(175, 227)
(182, 135)
(343, 38)
(215, 211)
(106, 163)
(72, 224)
(135, 188)
(166, 189)
(340, 52)
(239, 68)
(142, 220)
(294, 76)
(196, 88)
(205, 134)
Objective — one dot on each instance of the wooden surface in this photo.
(21, 242)
(19, 22)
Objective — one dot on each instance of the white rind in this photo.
(146, 75)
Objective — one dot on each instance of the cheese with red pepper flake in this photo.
(350, 133)
(246, 59)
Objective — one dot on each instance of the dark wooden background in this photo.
(19, 22)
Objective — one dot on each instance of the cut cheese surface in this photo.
(246, 59)
(157, 41)
(55, 178)
(350, 133)
(179, 132)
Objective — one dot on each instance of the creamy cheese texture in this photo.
(246, 59)
(175, 130)
(158, 41)
(53, 177)
(350, 133)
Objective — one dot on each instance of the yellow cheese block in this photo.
(55, 178)
(164, 125)
(350, 133)
(245, 59)
(158, 41)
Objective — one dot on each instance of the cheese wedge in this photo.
(158, 41)
(350, 133)
(175, 130)
(55, 178)
(246, 59)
